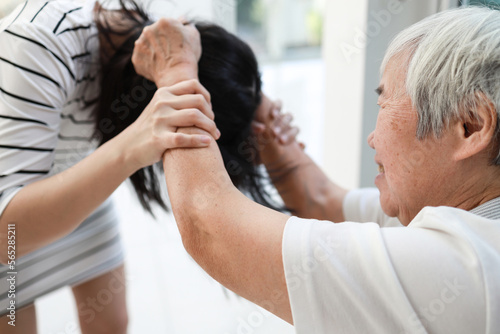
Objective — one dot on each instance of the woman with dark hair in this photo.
(68, 85)
(229, 71)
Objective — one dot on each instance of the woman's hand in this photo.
(271, 122)
(167, 52)
(185, 104)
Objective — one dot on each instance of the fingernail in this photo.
(218, 134)
(276, 113)
(205, 140)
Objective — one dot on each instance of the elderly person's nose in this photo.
(371, 138)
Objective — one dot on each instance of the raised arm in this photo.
(237, 241)
(48, 208)
(304, 187)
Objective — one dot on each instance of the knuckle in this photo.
(177, 139)
(194, 114)
(200, 99)
(158, 105)
(193, 84)
(163, 93)
(147, 34)
(164, 22)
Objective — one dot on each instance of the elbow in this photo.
(186, 229)
(186, 213)
(198, 220)
(193, 238)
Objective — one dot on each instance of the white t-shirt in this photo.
(440, 274)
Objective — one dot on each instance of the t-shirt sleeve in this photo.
(36, 75)
(363, 205)
(361, 278)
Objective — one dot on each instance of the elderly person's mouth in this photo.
(381, 169)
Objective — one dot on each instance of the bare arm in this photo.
(46, 210)
(237, 241)
(304, 187)
(49, 209)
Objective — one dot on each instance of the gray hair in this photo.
(453, 65)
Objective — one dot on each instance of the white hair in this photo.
(453, 65)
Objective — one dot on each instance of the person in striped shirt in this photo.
(68, 85)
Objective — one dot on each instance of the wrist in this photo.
(121, 155)
(176, 74)
(277, 157)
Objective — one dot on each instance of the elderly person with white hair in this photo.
(421, 254)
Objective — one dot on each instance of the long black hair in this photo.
(228, 69)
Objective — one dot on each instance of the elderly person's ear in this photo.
(477, 131)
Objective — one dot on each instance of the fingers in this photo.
(192, 117)
(192, 86)
(282, 128)
(258, 127)
(277, 106)
(269, 119)
(184, 102)
(290, 136)
(182, 140)
(282, 123)
(185, 105)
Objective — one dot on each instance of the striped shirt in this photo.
(49, 80)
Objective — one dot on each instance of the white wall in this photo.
(343, 52)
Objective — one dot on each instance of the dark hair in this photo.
(228, 69)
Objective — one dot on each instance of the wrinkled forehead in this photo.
(393, 80)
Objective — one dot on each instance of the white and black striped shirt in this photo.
(48, 81)
(48, 77)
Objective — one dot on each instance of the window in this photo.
(285, 29)
(493, 3)
(286, 36)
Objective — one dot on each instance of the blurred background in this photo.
(321, 58)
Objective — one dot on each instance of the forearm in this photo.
(49, 209)
(303, 186)
(197, 184)
(235, 240)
